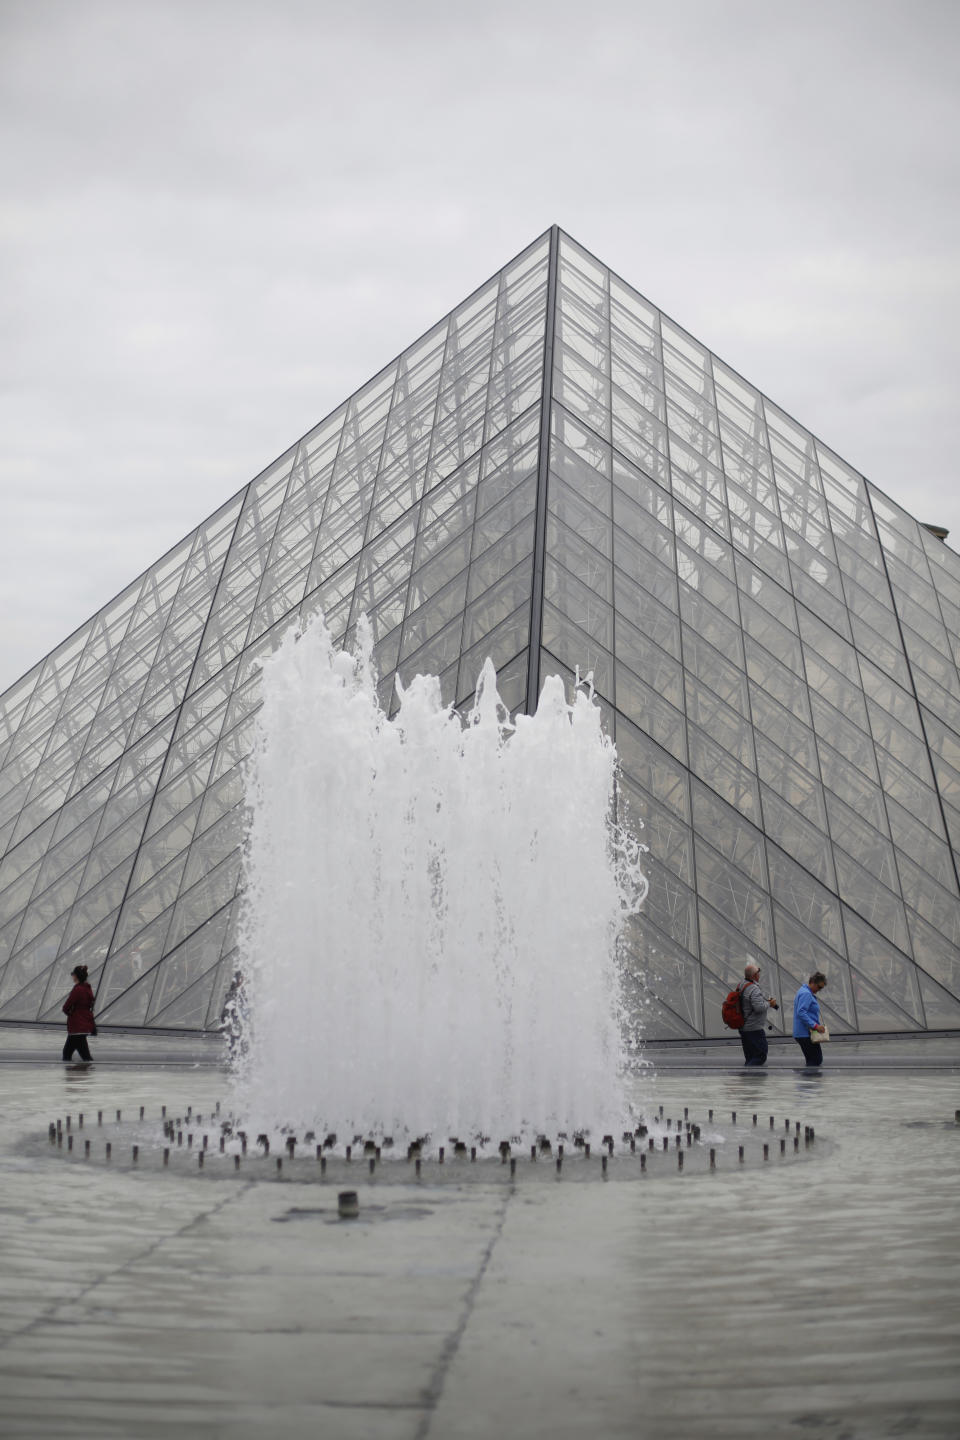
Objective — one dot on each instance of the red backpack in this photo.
(731, 1010)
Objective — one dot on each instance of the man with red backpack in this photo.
(753, 1036)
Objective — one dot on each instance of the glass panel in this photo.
(125, 967)
(714, 670)
(103, 900)
(131, 1007)
(729, 891)
(667, 976)
(791, 781)
(573, 511)
(701, 553)
(511, 686)
(855, 747)
(188, 1010)
(858, 837)
(793, 737)
(910, 790)
(737, 785)
(635, 486)
(762, 597)
(17, 861)
(91, 951)
(802, 953)
(906, 742)
(833, 686)
(723, 633)
(581, 604)
(213, 845)
(498, 518)
(26, 1003)
(893, 975)
(634, 520)
(34, 959)
(797, 836)
(636, 374)
(152, 900)
(725, 952)
(656, 579)
(942, 1011)
(581, 560)
(935, 904)
(935, 953)
(652, 768)
(813, 593)
(500, 559)
(668, 839)
(636, 316)
(807, 901)
(17, 894)
(729, 833)
(927, 849)
(886, 655)
(52, 903)
(651, 621)
(873, 901)
(852, 786)
(720, 721)
(945, 743)
(501, 645)
(171, 841)
(428, 619)
(451, 520)
(514, 484)
(371, 591)
(640, 437)
(576, 649)
(496, 604)
(437, 572)
(671, 906)
(436, 656)
(114, 848)
(207, 897)
(652, 714)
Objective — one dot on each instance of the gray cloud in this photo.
(218, 219)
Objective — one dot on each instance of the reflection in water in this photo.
(841, 1319)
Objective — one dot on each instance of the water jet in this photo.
(470, 888)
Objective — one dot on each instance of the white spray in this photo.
(433, 909)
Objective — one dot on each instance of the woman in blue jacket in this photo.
(806, 1018)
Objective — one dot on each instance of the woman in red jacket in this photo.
(79, 1012)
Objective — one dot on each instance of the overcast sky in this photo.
(218, 218)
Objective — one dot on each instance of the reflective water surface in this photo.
(781, 1299)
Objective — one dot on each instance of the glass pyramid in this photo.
(559, 477)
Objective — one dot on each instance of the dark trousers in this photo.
(812, 1052)
(78, 1043)
(754, 1044)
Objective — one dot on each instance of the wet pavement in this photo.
(772, 1298)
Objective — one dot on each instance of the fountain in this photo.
(429, 951)
(433, 911)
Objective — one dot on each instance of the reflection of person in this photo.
(753, 1036)
(806, 1018)
(234, 1012)
(78, 1009)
